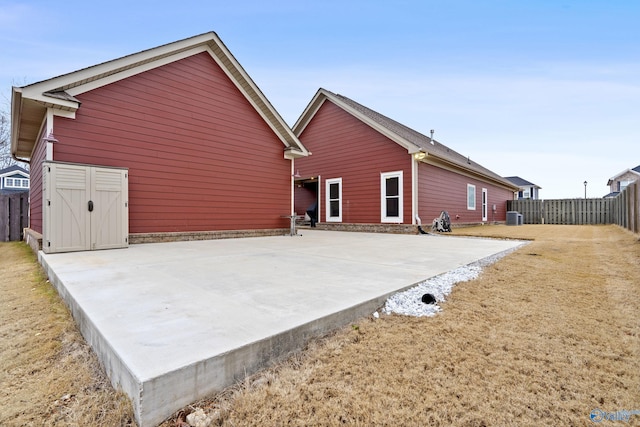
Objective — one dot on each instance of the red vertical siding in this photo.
(443, 190)
(344, 147)
(199, 156)
(35, 184)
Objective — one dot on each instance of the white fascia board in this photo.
(318, 100)
(312, 108)
(446, 164)
(35, 93)
(16, 102)
(73, 78)
(63, 113)
(24, 175)
(133, 71)
(411, 148)
(626, 171)
(244, 78)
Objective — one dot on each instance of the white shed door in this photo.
(85, 208)
(110, 218)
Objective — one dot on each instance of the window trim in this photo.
(622, 184)
(327, 186)
(471, 207)
(383, 197)
(12, 182)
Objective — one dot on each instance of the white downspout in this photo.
(49, 131)
(415, 219)
(292, 187)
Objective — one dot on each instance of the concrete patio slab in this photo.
(174, 322)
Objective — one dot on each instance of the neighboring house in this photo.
(527, 190)
(365, 168)
(620, 181)
(14, 179)
(179, 135)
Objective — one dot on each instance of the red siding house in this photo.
(365, 168)
(204, 150)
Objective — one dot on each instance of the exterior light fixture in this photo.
(50, 138)
(419, 155)
(297, 174)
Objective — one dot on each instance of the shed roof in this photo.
(412, 140)
(30, 102)
(13, 169)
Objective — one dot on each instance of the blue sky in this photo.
(546, 90)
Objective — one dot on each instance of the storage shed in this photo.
(202, 151)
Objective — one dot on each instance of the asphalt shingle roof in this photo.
(13, 168)
(430, 146)
(519, 181)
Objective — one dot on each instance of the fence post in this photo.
(637, 207)
(4, 219)
(14, 210)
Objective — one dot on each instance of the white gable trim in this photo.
(87, 79)
(95, 84)
(624, 172)
(12, 173)
(319, 100)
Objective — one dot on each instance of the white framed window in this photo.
(16, 183)
(624, 184)
(526, 194)
(485, 196)
(333, 200)
(391, 197)
(471, 197)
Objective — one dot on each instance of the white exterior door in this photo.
(84, 208)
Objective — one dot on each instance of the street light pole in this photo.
(585, 189)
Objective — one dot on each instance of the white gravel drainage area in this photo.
(411, 302)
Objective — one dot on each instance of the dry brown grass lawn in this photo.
(542, 337)
(48, 375)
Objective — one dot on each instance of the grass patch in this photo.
(49, 374)
(536, 339)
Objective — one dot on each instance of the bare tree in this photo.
(6, 159)
(5, 140)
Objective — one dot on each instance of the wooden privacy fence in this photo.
(14, 215)
(624, 210)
